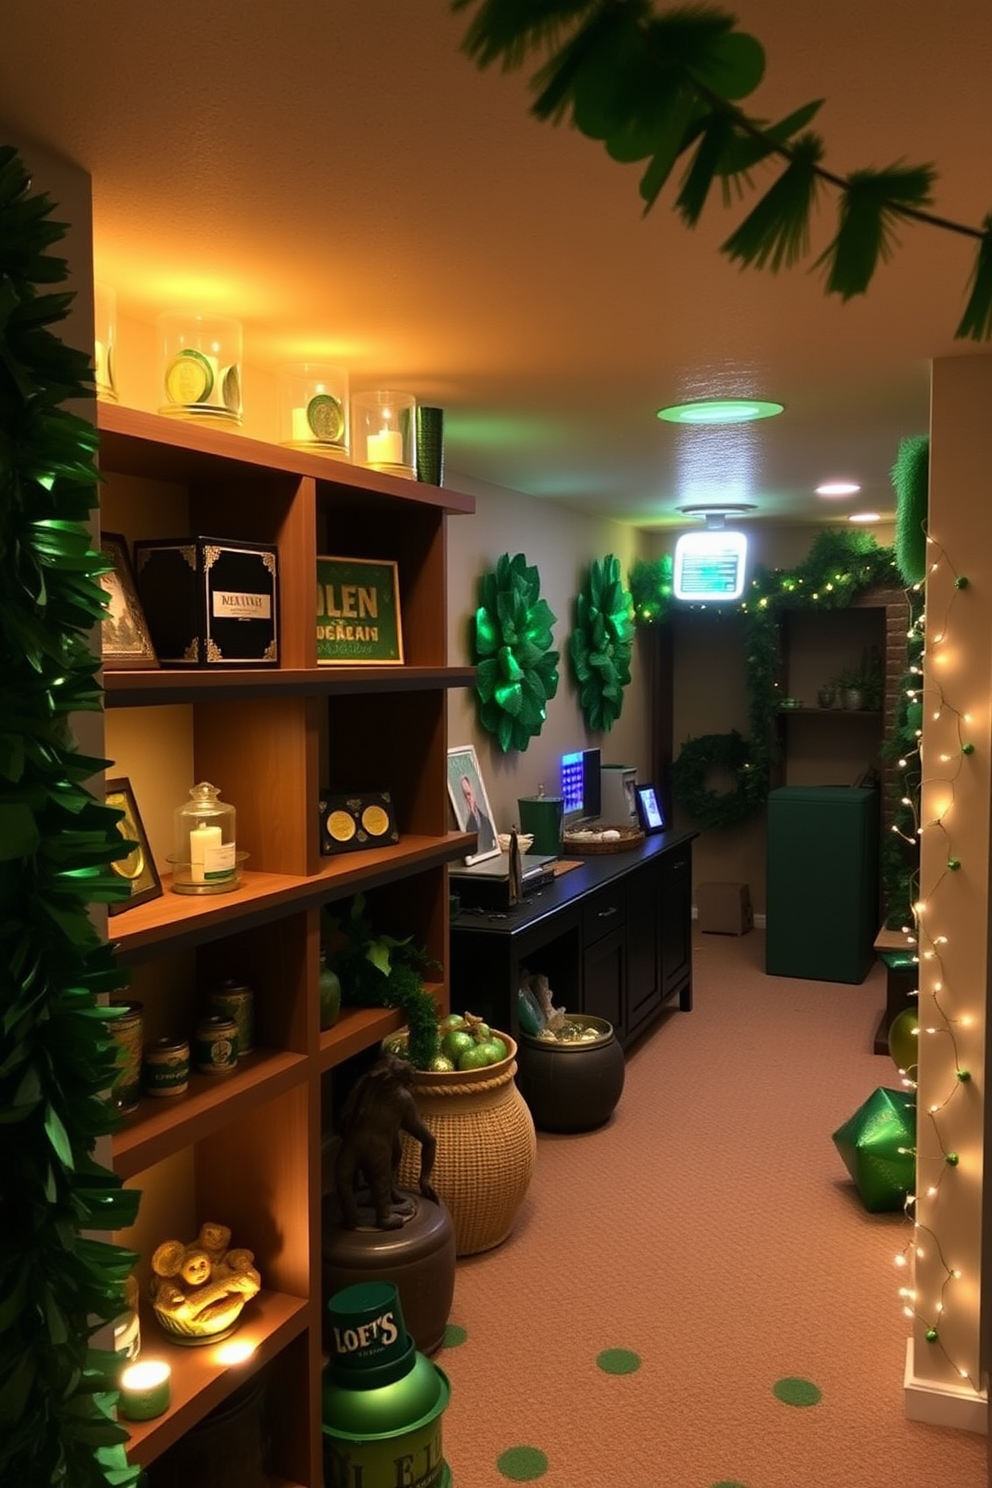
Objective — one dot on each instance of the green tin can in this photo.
(215, 1045)
(236, 1000)
(125, 1030)
(166, 1068)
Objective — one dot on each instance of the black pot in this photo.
(571, 1087)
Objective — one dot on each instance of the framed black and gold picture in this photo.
(138, 868)
(124, 635)
(355, 820)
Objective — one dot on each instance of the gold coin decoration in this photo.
(341, 826)
(133, 866)
(375, 820)
(190, 378)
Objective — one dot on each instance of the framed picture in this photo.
(358, 612)
(125, 638)
(138, 868)
(470, 802)
(649, 812)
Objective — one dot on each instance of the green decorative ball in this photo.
(904, 1039)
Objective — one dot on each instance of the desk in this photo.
(612, 936)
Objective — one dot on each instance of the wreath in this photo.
(600, 645)
(699, 760)
(517, 670)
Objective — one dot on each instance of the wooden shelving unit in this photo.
(244, 1148)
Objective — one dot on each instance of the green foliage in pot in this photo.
(59, 1284)
(380, 971)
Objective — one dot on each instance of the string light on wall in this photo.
(945, 1025)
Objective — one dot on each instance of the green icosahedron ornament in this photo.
(878, 1145)
(601, 644)
(517, 671)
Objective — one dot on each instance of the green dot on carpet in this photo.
(453, 1336)
(618, 1361)
(522, 1464)
(793, 1391)
(728, 1483)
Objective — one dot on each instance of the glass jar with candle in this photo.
(383, 432)
(313, 408)
(201, 366)
(205, 859)
(104, 342)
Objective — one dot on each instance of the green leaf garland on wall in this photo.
(517, 670)
(601, 643)
(651, 589)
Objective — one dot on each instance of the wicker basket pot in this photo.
(486, 1148)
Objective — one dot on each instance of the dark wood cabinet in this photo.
(612, 937)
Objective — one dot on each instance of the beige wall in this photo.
(561, 544)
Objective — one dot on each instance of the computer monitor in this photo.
(580, 786)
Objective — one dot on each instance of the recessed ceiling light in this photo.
(838, 488)
(719, 411)
(864, 517)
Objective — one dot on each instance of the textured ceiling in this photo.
(344, 179)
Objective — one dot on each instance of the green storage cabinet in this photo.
(822, 890)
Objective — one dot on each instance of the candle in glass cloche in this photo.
(205, 857)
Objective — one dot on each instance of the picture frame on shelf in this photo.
(353, 820)
(125, 640)
(649, 810)
(138, 868)
(358, 612)
(470, 802)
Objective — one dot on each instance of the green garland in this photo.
(58, 1285)
(601, 644)
(652, 589)
(517, 671)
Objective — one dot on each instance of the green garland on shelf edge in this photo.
(601, 643)
(58, 1285)
(838, 567)
(516, 669)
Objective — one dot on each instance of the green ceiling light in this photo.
(720, 411)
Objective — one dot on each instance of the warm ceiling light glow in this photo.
(719, 411)
(864, 517)
(838, 488)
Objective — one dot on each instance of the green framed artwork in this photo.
(358, 612)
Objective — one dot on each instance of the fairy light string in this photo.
(940, 1018)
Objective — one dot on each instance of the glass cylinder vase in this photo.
(383, 432)
(201, 366)
(104, 341)
(204, 859)
(313, 408)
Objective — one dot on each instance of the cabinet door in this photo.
(644, 945)
(603, 974)
(676, 926)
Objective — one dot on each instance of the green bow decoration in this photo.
(517, 670)
(601, 644)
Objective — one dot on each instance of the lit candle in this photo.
(385, 448)
(203, 844)
(145, 1390)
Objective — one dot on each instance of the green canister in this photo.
(215, 1045)
(382, 1399)
(125, 1030)
(236, 1000)
(166, 1068)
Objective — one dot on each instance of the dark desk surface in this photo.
(596, 871)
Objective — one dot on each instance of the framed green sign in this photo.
(358, 612)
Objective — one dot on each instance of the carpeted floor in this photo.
(694, 1296)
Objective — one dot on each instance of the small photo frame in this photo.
(649, 811)
(125, 639)
(138, 868)
(470, 803)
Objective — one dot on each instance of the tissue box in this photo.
(210, 602)
(724, 908)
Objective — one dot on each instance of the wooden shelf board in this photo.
(354, 1031)
(200, 1381)
(153, 686)
(179, 921)
(148, 444)
(160, 1125)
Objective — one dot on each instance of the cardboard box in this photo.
(210, 601)
(724, 908)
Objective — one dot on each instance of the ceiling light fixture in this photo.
(709, 566)
(719, 411)
(865, 517)
(838, 488)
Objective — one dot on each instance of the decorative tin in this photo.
(215, 1045)
(166, 1067)
(210, 601)
(125, 1030)
(236, 1000)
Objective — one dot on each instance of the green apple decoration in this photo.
(469, 1042)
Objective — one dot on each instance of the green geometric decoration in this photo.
(878, 1147)
(600, 644)
(517, 672)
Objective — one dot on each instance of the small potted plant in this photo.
(860, 688)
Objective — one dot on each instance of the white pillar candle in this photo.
(145, 1390)
(302, 433)
(385, 448)
(203, 840)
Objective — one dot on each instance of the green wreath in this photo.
(517, 670)
(600, 645)
(697, 762)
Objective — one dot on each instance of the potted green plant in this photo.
(860, 687)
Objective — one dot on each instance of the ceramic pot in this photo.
(572, 1086)
(853, 699)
